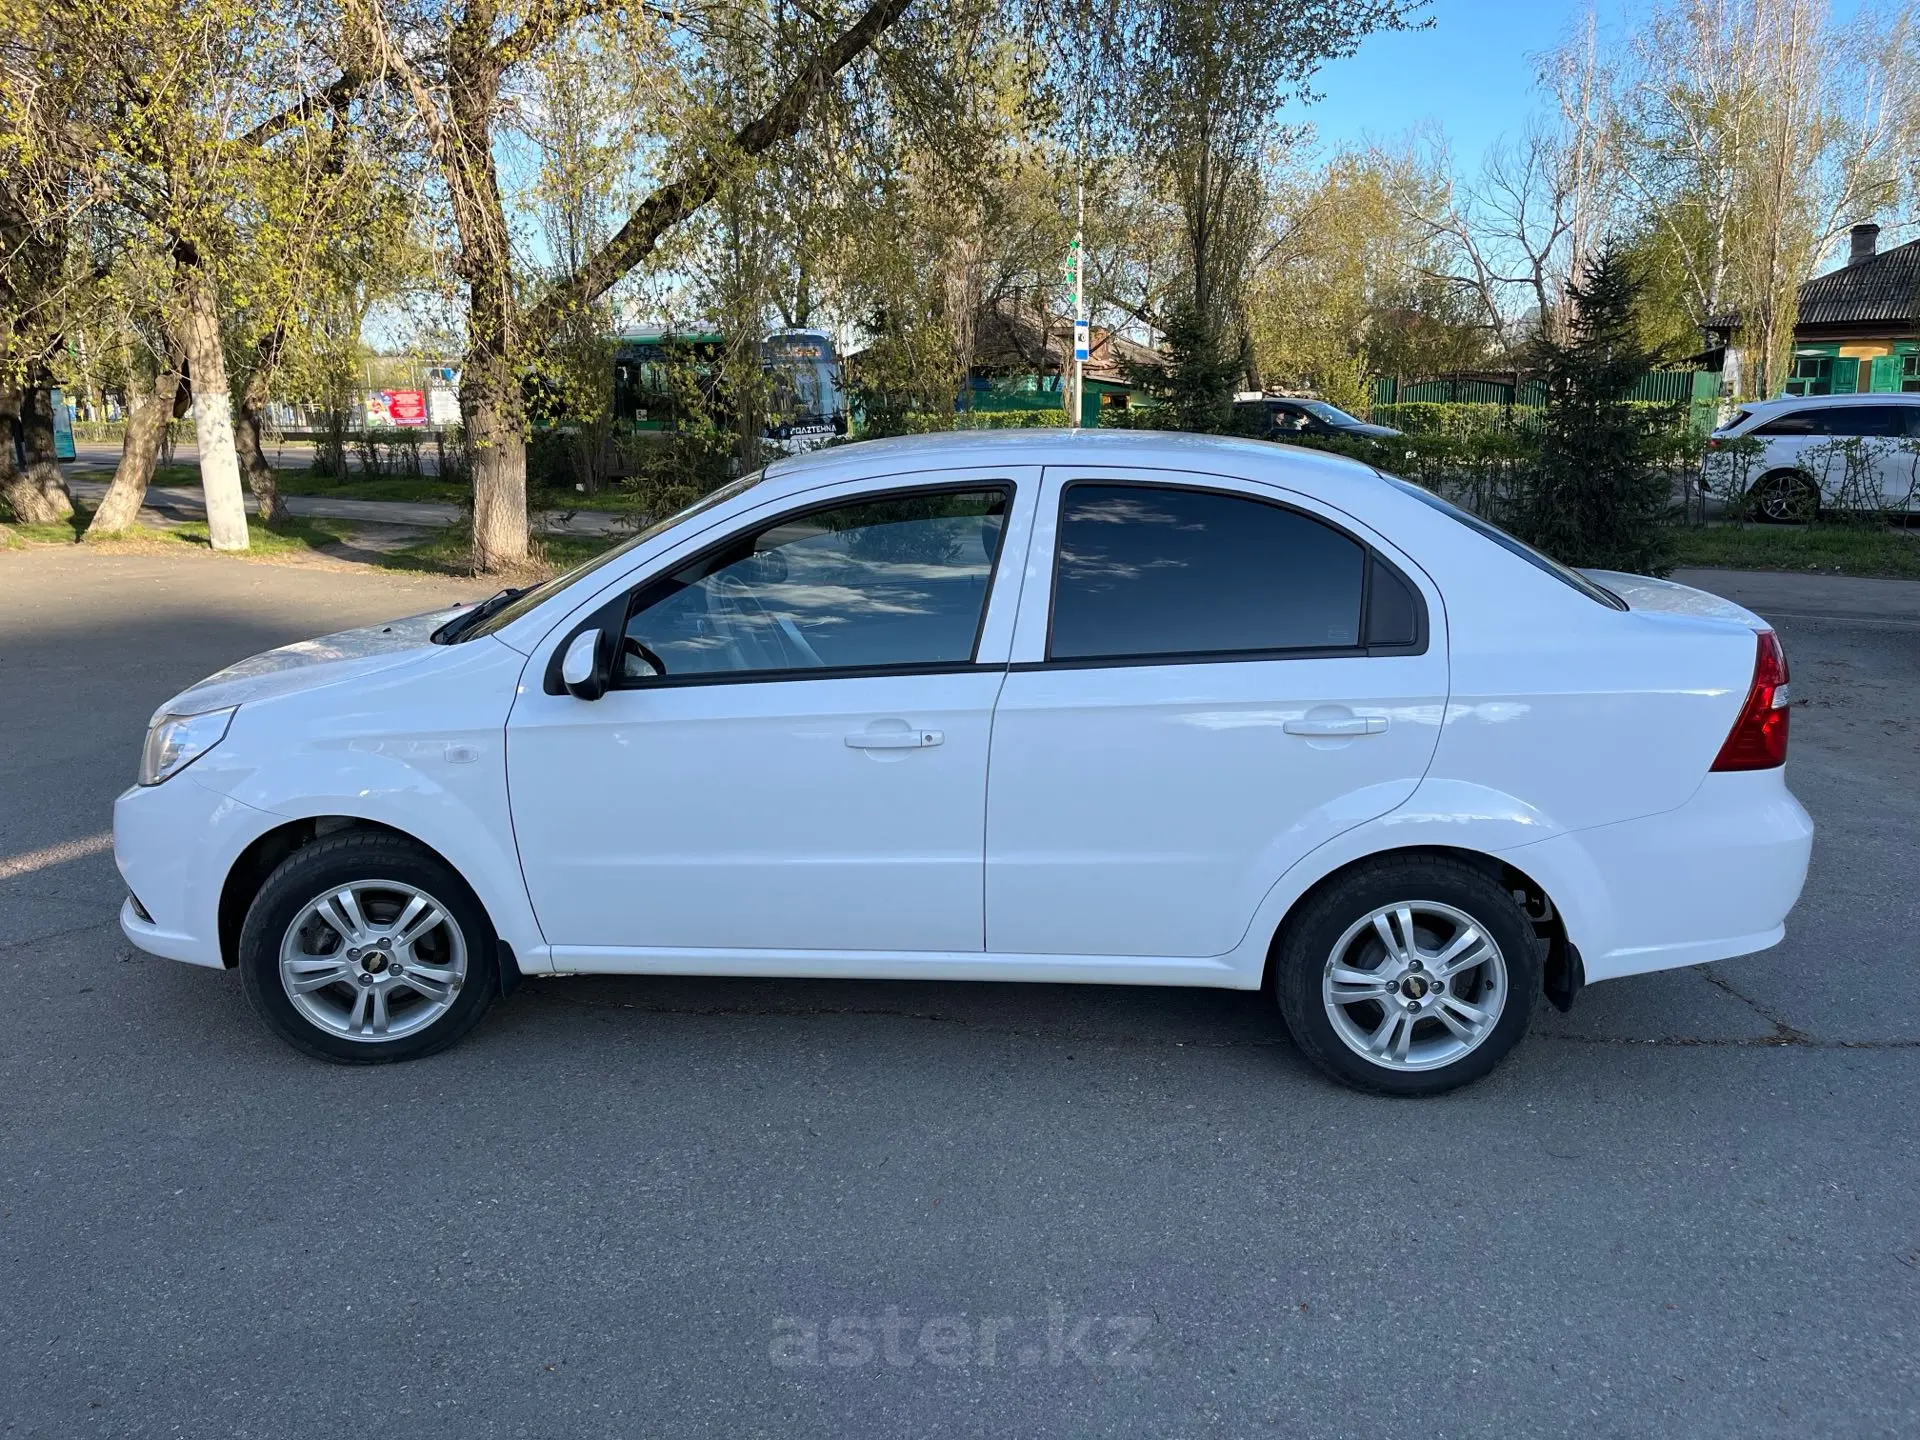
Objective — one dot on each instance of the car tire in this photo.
(1400, 1019)
(1786, 497)
(365, 948)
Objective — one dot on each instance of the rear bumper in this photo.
(1710, 880)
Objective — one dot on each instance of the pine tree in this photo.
(1599, 496)
(1193, 389)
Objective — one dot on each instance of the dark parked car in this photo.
(1284, 419)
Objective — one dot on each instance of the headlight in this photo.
(176, 741)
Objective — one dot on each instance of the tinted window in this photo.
(889, 581)
(1796, 422)
(1393, 615)
(1146, 570)
(1865, 420)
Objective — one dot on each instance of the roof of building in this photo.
(1015, 336)
(1881, 287)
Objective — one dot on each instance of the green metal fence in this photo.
(1697, 390)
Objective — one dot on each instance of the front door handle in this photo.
(1345, 725)
(894, 739)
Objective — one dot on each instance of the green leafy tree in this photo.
(1599, 496)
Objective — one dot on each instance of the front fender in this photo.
(421, 750)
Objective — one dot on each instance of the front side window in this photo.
(881, 582)
(1153, 571)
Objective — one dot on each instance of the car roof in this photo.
(1144, 449)
(1820, 402)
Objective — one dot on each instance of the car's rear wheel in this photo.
(1408, 977)
(365, 948)
(1785, 497)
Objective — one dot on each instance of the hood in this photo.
(1377, 432)
(308, 664)
(1647, 595)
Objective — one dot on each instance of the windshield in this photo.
(803, 378)
(1332, 414)
(1597, 593)
(805, 390)
(525, 601)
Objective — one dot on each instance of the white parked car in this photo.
(1815, 452)
(1082, 706)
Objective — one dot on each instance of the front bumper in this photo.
(175, 844)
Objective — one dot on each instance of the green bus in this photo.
(657, 370)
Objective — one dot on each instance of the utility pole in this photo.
(1081, 336)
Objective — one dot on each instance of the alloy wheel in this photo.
(1414, 985)
(374, 960)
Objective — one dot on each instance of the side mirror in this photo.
(582, 670)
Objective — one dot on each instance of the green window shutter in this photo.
(1884, 379)
(1846, 376)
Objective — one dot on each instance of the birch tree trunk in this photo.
(146, 424)
(197, 319)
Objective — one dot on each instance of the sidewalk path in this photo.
(181, 503)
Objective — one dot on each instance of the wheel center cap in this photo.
(1414, 986)
(373, 962)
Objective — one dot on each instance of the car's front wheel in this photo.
(364, 948)
(1408, 977)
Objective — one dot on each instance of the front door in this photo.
(1226, 682)
(793, 756)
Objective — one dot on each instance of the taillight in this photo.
(1758, 740)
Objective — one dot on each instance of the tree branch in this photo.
(678, 199)
(334, 97)
(544, 21)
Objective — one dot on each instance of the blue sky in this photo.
(1471, 72)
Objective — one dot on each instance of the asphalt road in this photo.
(669, 1207)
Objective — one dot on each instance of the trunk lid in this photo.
(1648, 596)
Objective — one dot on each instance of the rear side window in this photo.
(1154, 571)
(1866, 420)
(1795, 422)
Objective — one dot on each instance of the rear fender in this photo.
(1440, 815)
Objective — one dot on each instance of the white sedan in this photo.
(1073, 706)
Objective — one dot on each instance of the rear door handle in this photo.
(1346, 725)
(894, 739)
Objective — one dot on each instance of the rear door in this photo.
(1210, 679)
(1795, 440)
